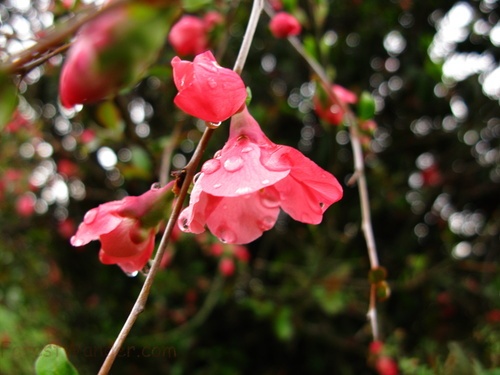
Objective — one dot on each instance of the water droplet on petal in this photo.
(233, 164)
(265, 182)
(211, 83)
(226, 235)
(269, 201)
(90, 216)
(321, 204)
(196, 177)
(76, 241)
(156, 186)
(210, 166)
(218, 154)
(216, 186)
(266, 223)
(131, 274)
(246, 149)
(243, 190)
(184, 224)
(213, 125)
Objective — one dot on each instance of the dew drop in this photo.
(226, 235)
(184, 225)
(131, 274)
(211, 83)
(243, 190)
(321, 204)
(210, 166)
(233, 164)
(76, 241)
(218, 154)
(90, 216)
(266, 223)
(155, 186)
(213, 125)
(265, 182)
(269, 201)
(246, 149)
(216, 186)
(196, 177)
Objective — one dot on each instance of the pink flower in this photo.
(189, 36)
(283, 25)
(207, 90)
(239, 192)
(111, 52)
(330, 112)
(226, 267)
(25, 205)
(126, 228)
(212, 18)
(81, 80)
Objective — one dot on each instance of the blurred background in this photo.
(296, 300)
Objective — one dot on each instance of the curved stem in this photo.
(359, 171)
(189, 170)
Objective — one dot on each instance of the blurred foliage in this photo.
(299, 305)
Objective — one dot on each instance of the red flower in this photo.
(283, 25)
(238, 194)
(333, 113)
(81, 81)
(25, 205)
(112, 51)
(189, 36)
(386, 366)
(226, 266)
(207, 90)
(126, 228)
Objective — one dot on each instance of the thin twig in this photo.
(359, 172)
(54, 39)
(168, 150)
(190, 170)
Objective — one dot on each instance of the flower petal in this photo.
(308, 190)
(238, 170)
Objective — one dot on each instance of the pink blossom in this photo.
(226, 267)
(126, 228)
(331, 112)
(239, 192)
(207, 90)
(212, 18)
(25, 205)
(283, 25)
(81, 81)
(189, 36)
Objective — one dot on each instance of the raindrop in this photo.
(216, 186)
(210, 166)
(321, 204)
(132, 274)
(246, 149)
(211, 83)
(90, 216)
(226, 236)
(213, 125)
(155, 186)
(233, 164)
(76, 241)
(243, 190)
(270, 202)
(196, 177)
(265, 182)
(266, 223)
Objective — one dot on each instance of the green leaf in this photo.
(283, 325)
(52, 360)
(366, 108)
(8, 99)
(194, 5)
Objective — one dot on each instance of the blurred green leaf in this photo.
(52, 360)
(194, 5)
(283, 324)
(366, 108)
(8, 98)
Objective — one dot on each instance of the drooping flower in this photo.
(111, 52)
(330, 112)
(126, 228)
(239, 192)
(283, 25)
(189, 36)
(207, 90)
